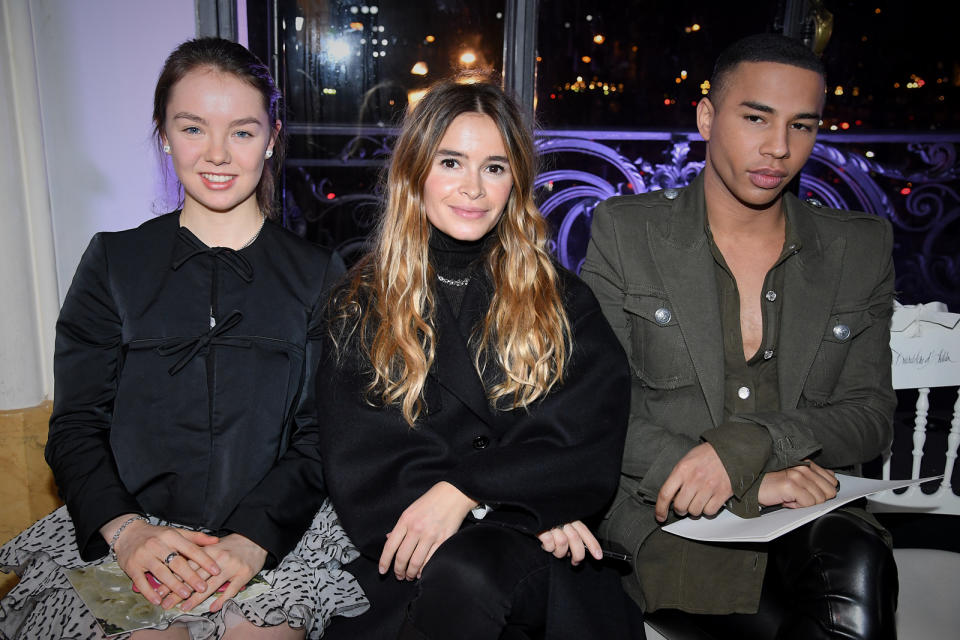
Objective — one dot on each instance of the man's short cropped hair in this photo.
(763, 47)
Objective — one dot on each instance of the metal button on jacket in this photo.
(816, 202)
(768, 354)
(481, 442)
(771, 295)
(743, 392)
(671, 194)
(662, 315)
(841, 332)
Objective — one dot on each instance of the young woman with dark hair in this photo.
(185, 361)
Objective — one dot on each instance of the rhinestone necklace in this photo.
(461, 282)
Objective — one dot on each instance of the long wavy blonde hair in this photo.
(389, 301)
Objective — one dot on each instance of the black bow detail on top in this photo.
(240, 265)
(197, 344)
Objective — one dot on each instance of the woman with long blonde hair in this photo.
(476, 409)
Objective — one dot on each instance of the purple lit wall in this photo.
(96, 66)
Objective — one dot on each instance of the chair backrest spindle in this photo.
(953, 442)
(925, 341)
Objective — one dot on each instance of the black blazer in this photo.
(556, 462)
(157, 412)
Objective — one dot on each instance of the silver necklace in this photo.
(461, 282)
(249, 242)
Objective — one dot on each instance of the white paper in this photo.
(925, 345)
(727, 527)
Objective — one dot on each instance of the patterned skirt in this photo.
(307, 588)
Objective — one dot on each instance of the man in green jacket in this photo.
(757, 327)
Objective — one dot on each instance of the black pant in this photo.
(490, 582)
(478, 583)
(832, 578)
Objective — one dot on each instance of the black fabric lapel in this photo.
(453, 368)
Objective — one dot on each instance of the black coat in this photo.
(157, 412)
(554, 463)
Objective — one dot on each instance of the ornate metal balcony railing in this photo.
(910, 179)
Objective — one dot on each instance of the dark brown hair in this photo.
(224, 56)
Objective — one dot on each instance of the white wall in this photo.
(97, 64)
(76, 85)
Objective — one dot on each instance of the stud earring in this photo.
(166, 148)
(268, 154)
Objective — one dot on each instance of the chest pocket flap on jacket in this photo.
(658, 352)
(843, 327)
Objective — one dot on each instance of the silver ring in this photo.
(170, 557)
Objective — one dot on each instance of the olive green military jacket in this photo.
(649, 264)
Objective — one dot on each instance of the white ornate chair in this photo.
(926, 354)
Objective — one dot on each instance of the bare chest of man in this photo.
(749, 265)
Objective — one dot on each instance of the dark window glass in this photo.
(891, 65)
(632, 64)
(355, 63)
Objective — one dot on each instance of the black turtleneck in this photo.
(456, 260)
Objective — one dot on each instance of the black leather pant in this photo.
(832, 578)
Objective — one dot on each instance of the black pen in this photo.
(614, 555)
